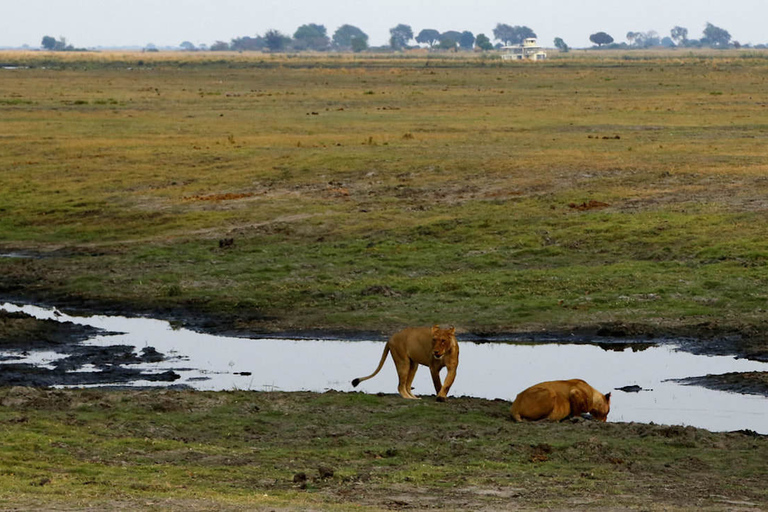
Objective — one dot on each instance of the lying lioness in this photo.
(559, 399)
(433, 347)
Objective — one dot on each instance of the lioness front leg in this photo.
(442, 393)
(436, 380)
(441, 390)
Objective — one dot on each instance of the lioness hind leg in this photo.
(404, 378)
(411, 375)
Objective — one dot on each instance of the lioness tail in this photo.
(358, 380)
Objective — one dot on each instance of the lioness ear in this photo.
(608, 397)
(452, 329)
(435, 328)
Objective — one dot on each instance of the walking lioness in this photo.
(558, 399)
(430, 346)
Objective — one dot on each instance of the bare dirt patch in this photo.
(589, 205)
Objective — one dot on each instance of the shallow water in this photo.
(487, 370)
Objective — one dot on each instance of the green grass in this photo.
(369, 193)
(243, 450)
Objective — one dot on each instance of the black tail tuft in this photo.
(355, 382)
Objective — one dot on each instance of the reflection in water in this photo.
(487, 370)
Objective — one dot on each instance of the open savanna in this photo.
(368, 193)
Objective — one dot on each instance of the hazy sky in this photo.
(91, 23)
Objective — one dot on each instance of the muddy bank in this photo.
(21, 331)
(81, 366)
(750, 383)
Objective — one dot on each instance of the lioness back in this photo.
(414, 343)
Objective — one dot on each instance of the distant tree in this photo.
(560, 45)
(311, 37)
(524, 32)
(467, 40)
(60, 45)
(48, 43)
(275, 41)
(647, 39)
(245, 44)
(187, 46)
(399, 36)
(503, 33)
(428, 36)
(342, 38)
(601, 38)
(667, 42)
(632, 37)
(512, 35)
(716, 36)
(449, 39)
(219, 46)
(483, 42)
(359, 44)
(679, 35)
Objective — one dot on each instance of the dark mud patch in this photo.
(16, 374)
(748, 383)
(81, 366)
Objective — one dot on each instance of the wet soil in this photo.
(747, 383)
(81, 366)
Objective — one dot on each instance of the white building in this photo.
(529, 50)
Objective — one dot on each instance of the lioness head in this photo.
(601, 408)
(442, 340)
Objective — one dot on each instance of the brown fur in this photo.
(428, 346)
(559, 399)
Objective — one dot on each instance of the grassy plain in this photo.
(238, 450)
(368, 193)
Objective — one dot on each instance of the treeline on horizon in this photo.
(314, 37)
